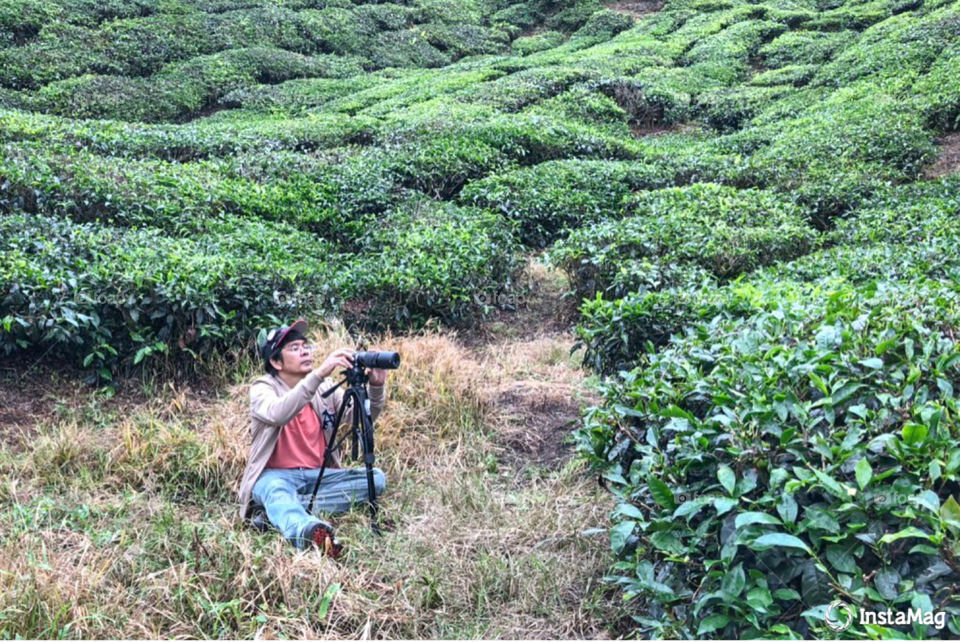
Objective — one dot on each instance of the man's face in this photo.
(297, 358)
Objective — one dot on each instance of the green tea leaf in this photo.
(864, 472)
(910, 531)
(914, 434)
(745, 519)
(950, 514)
(712, 623)
(619, 535)
(727, 477)
(771, 540)
(733, 583)
(661, 493)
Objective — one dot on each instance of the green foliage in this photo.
(939, 90)
(837, 152)
(898, 49)
(605, 24)
(721, 230)
(728, 109)
(183, 199)
(787, 457)
(110, 299)
(804, 47)
(546, 199)
(732, 188)
(736, 43)
(531, 44)
(181, 90)
(198, 140)
(796, 75)
(431, 260)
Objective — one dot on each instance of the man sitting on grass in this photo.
(291, 423)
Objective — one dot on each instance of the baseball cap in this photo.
(274, 338)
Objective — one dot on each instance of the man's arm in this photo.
(276, 410)
(378, 398)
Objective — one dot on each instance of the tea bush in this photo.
(548, 198)
(431, 260)
(766, 464)
(531, 44)
(834, 154)
(181, 90)
(201, 139)
(804, 47)
(722, 230)
(740, 192)
(110, 299)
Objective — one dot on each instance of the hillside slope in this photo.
(756, 203)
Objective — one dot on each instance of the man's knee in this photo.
(271, 490)
(379, 481)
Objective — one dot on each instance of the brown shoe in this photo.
(321, 534)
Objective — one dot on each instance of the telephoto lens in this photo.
(382, 360)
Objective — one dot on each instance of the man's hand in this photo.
(377, 376)
(341, 358)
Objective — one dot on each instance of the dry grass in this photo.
(117, 515)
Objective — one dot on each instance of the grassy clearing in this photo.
(117, 514)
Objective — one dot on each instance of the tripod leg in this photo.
(368, 461)
(328, 448)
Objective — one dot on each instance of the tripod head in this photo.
(357, 374)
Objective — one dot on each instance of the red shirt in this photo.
(301, 442)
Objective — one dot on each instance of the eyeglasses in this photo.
(299, 347)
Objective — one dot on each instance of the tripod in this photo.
(361, 431)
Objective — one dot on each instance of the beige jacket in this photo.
(273, 404)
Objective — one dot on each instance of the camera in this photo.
(382, 360)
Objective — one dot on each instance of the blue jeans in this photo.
(285, 494)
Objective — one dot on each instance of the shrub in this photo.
(573, 16)
(197, 140)
(729, 109)
(21, 20)
(523, 88)
(722, 230)
(184, 199)
(586, 105)
(804, 47)
(838, 151)
(181, 89)
(853, 16)
(460, 40)
(430, 260)
(547, 199)
(53, 56)
(605, 24)
(540, 42)
(937, 91)
(109, 299)
(738, 42)
(916, 213)
(406, 48)
(755, 460)
(898, 49)
(659, 95)
(796, 75)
